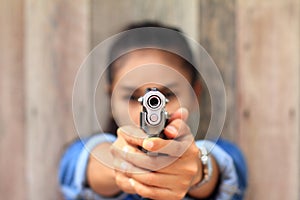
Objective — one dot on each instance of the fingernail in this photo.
(132, 182)
(171, 129)
(148, 144)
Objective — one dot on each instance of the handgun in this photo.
(153, 117)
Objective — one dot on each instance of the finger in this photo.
(139, 159)
(126, 167)
(151, 192)
(132, 135)
(122, 150)
(181, 113)
(172, 148)
(123, 182)
(186, 163)
(147, 162)
(176, 129)
(121, 161)
(154, 179)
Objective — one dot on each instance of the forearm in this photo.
(208, 188)
(100, 177)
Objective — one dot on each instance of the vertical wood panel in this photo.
(268, 73)
(110, 18)
(12, 126)
(57, 38)
(217, 36)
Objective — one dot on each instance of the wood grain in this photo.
(217, 36)
(110, 18)
(12, 106)
(56, 42)
(268, 78)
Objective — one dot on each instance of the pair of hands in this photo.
(166, 176)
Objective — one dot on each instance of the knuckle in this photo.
(187, 129)
(177, 123)
(153, 193)
(194, 151)
(179, 195)
(118, 180)
(139, 190)
(192, 169)
(185, 185)
(145, 192)
(150, 178)
(181, 126)
(130, 140)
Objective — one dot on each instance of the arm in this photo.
(240, 166)
(70, 187)
(232, 167)
(73, 166)
(100, 177)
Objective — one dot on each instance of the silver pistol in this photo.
(153, 117)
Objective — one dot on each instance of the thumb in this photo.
(181, 113)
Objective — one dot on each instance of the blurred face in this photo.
(149, 68)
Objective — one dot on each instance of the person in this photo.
(116, 167)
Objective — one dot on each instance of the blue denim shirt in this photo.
(72, 170)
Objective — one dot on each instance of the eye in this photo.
(169, 95)
(131, 98)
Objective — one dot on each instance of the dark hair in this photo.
(150, 35)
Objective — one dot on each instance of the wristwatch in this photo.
(207, 169)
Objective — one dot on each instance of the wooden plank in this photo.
(12, 135)
(56, 43)
(179, 13)
(268, 72)
(217, 36)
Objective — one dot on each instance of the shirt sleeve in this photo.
(232, 166)
(72, 169)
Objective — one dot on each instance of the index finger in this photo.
(181, 113)
(133, 135)
(172, 148)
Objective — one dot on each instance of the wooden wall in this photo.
(268, 48)
(42, 46)
(255, 44)
(56, 42)
(12, 95)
